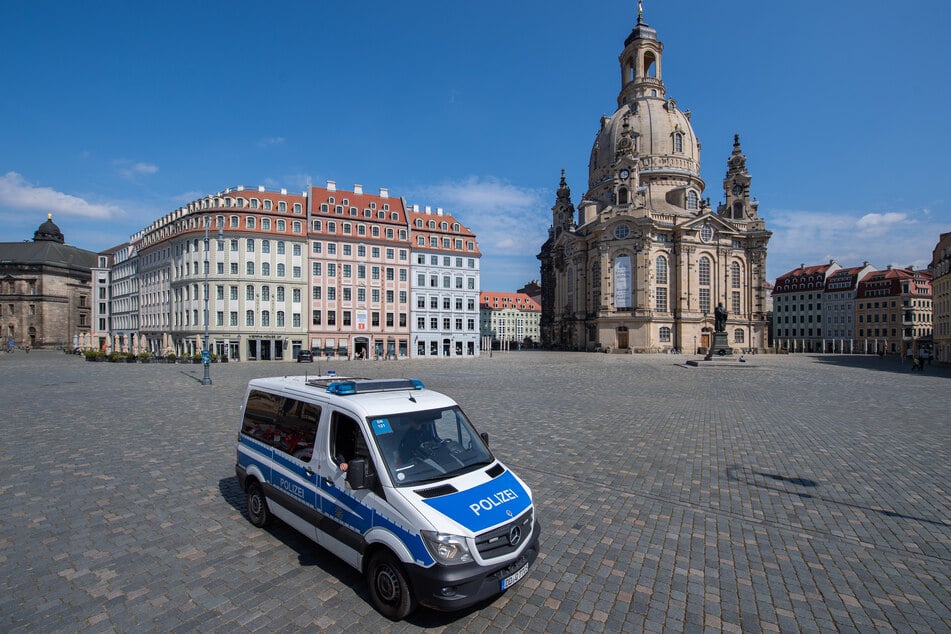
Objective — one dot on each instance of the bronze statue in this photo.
(719, 315)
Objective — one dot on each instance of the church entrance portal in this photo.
(622, 338)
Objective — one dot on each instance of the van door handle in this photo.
(328, 482)
(309, 471)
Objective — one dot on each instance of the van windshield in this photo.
(430, 445)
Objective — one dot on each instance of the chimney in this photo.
(429, 209)
(332, 186)
(260, 188)
(384, 192)
(358, 189)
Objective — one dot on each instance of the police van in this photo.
(392, 478)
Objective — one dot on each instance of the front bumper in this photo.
(457, 587)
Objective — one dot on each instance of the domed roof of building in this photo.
(651, 123)
(49, 232)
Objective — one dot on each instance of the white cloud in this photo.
(129, 170)
(809, 237)
(507, 219)
(879, 224)
(17, 193)
(271, 141)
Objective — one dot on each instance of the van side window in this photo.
(285, 424)
(346, 440)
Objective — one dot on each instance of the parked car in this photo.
(305, 356)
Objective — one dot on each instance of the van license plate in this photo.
(512, 579)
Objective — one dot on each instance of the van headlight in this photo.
(447, 549)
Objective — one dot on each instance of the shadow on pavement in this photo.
(890, 363)
(311, 554)
(737, 473)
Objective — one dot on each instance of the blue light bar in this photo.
(347, 388)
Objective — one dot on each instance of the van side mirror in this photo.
(485, 438)
(360, 474)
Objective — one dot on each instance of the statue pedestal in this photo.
(719, 348)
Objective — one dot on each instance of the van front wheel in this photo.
(389, 588)
(258, 512)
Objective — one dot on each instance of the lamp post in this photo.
(205, 355)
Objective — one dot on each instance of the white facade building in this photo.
(444, 278)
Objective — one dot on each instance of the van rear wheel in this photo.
(258, 512)
(389, 587)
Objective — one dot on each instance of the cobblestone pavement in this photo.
(805, 493)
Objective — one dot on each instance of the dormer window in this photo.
(692, 199)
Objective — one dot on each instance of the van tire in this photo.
(258, 512)
(389, 588)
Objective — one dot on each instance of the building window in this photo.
(660, 302)
(704, 271)
(665, 334)
(738, 335)
(692, 200)
(735, 274)
(678, 142)
(661, 269)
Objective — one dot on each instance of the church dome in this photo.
(49, 232)
(660, 135)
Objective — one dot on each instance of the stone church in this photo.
(643, 260)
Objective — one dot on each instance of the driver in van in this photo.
(415, 434)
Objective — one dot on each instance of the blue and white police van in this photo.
(392, 478)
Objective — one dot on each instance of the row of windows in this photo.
(346, 250)
(447, 281)
(347, 271)
(353, 211)
(346, 294)
(446, 261)
(347, 230)
(251, 318)
(446, 323)
(329, 318)
(434, 303)
(253, 203)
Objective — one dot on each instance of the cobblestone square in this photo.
(801, 494)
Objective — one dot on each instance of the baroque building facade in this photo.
(46, 296)
(643, 260)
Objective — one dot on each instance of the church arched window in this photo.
(735, 274)
(738, 336)
(622, 196)
(661, 269)
(704, 268)
(678, 142)
(692, 199)
(650, 65)
(622, 282)
(738, 210)
(570, 298)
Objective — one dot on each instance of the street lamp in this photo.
(205, 354)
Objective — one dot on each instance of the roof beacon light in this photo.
(347, 388)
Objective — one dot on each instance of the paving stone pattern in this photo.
(804, 494)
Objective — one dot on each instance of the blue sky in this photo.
(116, 113)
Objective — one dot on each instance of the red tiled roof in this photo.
(520, 301)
